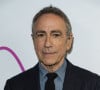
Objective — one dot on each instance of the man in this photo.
(52, 38)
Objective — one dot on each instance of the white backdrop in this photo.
(15, 33)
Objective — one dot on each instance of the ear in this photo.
(69, 43)
(32, 36)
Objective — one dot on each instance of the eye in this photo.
(56, 34)
(40, 34)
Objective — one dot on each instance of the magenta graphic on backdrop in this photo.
(14, 55)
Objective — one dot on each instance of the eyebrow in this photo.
(52, 31)
(56, 31)
(40, 31)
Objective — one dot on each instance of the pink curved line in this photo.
(14, 55)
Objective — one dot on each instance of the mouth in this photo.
(49, 53)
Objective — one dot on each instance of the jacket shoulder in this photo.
(23, 80)
(84, 73)
(80, 72)
(81, 79)
(84, 78)
(26, 73)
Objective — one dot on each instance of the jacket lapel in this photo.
(67, 76)
(71, 82)
(33, 79)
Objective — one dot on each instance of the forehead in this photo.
(50, 22)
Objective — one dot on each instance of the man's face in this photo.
(50, 39)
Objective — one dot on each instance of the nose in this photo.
(48, 42)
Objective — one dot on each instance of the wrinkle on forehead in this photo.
(50, 22)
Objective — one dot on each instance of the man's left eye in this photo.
(56, 35)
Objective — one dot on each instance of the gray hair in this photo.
(56, 11)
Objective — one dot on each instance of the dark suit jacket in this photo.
(75, 79)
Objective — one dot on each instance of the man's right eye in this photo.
(40, 35)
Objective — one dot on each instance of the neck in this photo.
(54, 67)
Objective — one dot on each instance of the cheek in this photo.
(38, 46)
(61, 46)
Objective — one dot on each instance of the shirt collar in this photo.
(60, 72)
(43, 71)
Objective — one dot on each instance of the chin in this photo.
(50, 63)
